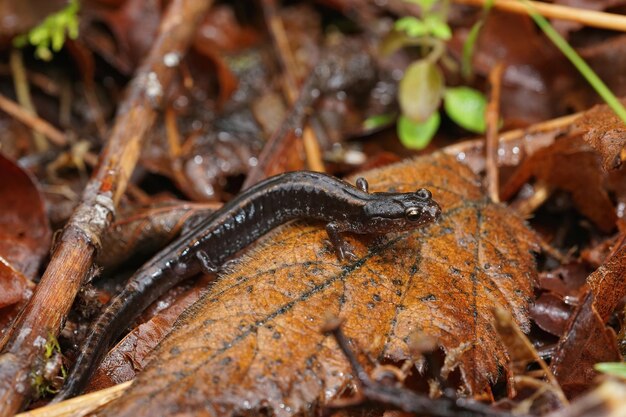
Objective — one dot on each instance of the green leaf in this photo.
(437, 27)
(58, 38)
(466, 107)
(415, 135)
(377, 121)
(470, 43)
(468, 49)
(412, 26)
(420, 90)
(612, 368)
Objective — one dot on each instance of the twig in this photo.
(79, 406)
(41, 81)
(34, 122)
(560, 123)
(554, 11)
(22, 92)
(40, 125)
(341, 67)
(282, 140)
(404, 399)
(277, 30)
(72, 259)
(493, 119)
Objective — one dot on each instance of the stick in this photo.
(279, 36)
(586, 17)
(491, 138)
(81, 405)
(33, 121)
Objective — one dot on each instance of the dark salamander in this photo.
(256, 211)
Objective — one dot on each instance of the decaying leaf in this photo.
(24, 229)
(586, 342)
(15, 290)
(145, 231)
(132, 353)
(551, 313)
(607, 282)
(572, 165)
(605, 132)
(14, 286)
(560, 290)
(254, 341)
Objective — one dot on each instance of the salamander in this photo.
(250, 215)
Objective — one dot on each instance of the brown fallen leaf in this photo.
(254, 341)
(14, 286)
(133, 352)
(24, 229)
(551, 313)
(572, 165)
(559, 292)
(15, 289)
(147, 230)
(586, 342)
(605, 132)
(607, 282)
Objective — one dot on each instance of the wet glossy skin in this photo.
(285, 197)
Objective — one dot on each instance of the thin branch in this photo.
(404, 399)
(554, 11)
(493, 119)
(476, 145)
(22, 92)
(79, 406)
(32, 121)
(279, 36)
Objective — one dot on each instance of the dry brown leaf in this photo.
(586, 342)
(148, 229)
(254, 340)
(133, 352)
(605, 132)
(570, 164)
(14, 287)
(24, 229)
(607, 282)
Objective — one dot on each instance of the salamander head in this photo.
(392, 212)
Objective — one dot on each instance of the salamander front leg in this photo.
(208, 267)
(362, 184)
(342, 248)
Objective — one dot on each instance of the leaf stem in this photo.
(586, 71)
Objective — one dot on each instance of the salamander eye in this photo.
(413, 214)
(423, 194)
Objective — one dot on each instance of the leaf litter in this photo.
(224, 54)
(253, 341)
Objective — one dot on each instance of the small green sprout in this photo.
(423, 88)
(378, 121)
(43, 381)
(617, 369)
(50, 34)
